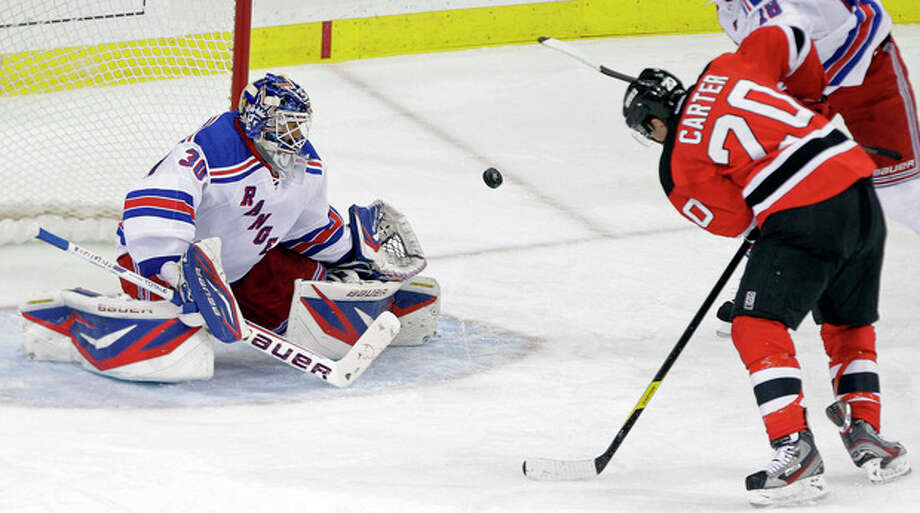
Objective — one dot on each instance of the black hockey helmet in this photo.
(655, 94)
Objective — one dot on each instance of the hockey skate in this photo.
(794, 475)
(882, 460)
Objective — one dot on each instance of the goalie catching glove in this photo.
(385, 246)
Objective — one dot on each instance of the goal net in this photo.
(93, 93)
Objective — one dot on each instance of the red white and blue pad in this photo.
(330, 317)
(417, 305)
(117, 337)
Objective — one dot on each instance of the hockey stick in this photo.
(567, 49)
(543, 469)
(885, 152)
(340, 373)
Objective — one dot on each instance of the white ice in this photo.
(579, 251)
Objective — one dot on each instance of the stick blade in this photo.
(366, 349)
(543, 469)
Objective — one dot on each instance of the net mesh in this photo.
(93, 93)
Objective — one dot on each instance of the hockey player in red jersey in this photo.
(743, 155)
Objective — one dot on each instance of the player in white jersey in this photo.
(253, 179)
(236, 220)
(867, 81)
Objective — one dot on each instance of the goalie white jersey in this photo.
(845, 32)
(215, 184)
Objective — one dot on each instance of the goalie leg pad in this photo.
(417, 305)
(329, 317)
(44, 343)
(120, 338)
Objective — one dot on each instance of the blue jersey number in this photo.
(770, 9)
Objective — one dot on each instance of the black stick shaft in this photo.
(878, 150)
(616, 74)
(601, 461)
(567, 49)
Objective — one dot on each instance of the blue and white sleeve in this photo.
(158, 221)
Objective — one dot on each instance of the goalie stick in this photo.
(544, 469)
(569, 50)
(340, 373)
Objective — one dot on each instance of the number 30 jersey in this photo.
(741, 148)
(215, 184)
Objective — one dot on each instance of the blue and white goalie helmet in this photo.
(276, 114)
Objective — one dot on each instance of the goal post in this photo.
(93, 93)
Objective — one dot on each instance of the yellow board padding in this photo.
(903, 11)
(490, 26)
(115, 63)
(153, 59)
(286, 45)
(477, 27)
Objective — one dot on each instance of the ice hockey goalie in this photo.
(171, 341)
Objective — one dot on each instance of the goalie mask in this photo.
(276, 114)
(655, 94)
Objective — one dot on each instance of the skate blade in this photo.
(801, 491)
(877, 474)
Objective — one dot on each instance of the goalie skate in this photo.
(882, 460)
(794, 475)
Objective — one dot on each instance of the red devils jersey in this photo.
(743, 147)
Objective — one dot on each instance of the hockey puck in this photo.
(492, 177)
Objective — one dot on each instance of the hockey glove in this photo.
(385, 246)
(365, 258)
(202, 290)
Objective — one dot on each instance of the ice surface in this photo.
(578, 253)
